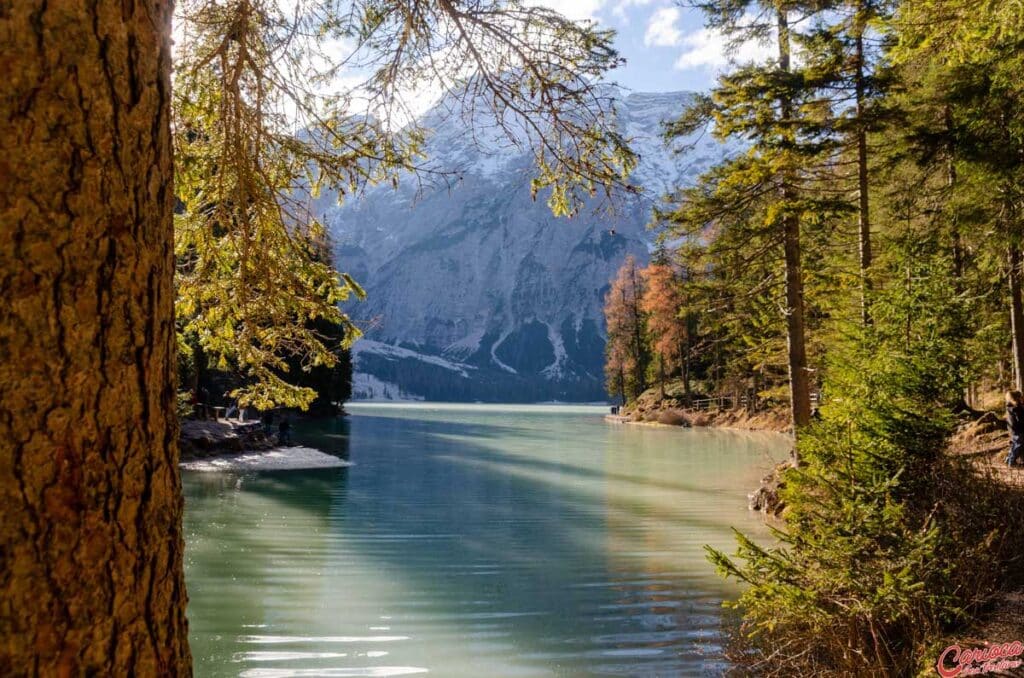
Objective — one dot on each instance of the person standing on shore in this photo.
(284, 432)
(1015, 421)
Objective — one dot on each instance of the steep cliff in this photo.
(475, 291)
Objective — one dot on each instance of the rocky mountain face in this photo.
(477, 292)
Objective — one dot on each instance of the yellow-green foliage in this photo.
(263, 122)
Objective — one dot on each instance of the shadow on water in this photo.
(508, 545)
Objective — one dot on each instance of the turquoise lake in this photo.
(473, 540)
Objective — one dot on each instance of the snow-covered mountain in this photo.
(478, 292)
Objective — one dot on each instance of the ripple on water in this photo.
(329, 672)
(472, 542)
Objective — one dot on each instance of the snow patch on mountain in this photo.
(368, 387)
(391, 352)
(475, 291)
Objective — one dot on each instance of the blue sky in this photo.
(666, 46)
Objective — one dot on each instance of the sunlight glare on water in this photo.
(472, 540)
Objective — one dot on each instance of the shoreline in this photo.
(767, 421)
(298, 458)
(765, 498)
(234, 446)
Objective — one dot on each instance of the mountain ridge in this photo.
(483, 277)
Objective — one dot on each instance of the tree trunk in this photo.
(638, 342)
(91, 579)
(1016, 317)
(685, 349)
(799, 388)
(951, 179)
(798, 378)
(963, 331)
(661, 375)
(863, 212)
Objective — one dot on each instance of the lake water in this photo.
(473, 540)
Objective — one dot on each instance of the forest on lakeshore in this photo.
(866, 246)
(154, 207)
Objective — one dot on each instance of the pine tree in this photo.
(766, 189)
(868, 571)
(843, 63)
(885, 547)
(628, 355)
(968, 109)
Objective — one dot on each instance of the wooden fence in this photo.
(727, 402)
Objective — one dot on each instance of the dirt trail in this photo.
(985, 442)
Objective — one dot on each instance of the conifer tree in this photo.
(968, 60)
(882, 553)
(628, 355)
(765, 189)
(91, 571)
(843, 63)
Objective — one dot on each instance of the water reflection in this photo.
(470, 540)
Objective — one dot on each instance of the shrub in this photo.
(673, 418)
(888, 543)
(700, 419)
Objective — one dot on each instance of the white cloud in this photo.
(619, 10)
(576, 10)
(662, 30)
(709, 48)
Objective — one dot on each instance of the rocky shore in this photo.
(207, 438)
(675, 408)
(232, 446)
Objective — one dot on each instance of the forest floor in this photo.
(984, 442)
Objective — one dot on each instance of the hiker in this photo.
(204, 403)
(1015, 420)
(284, 432)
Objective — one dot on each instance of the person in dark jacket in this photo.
(1015, 421)
(284, 432)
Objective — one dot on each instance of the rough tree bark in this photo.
(661, 375)
(1016, 316)
(638, 342)
(863, 201)
(799, 384)
(684, 351)
(90, 541)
